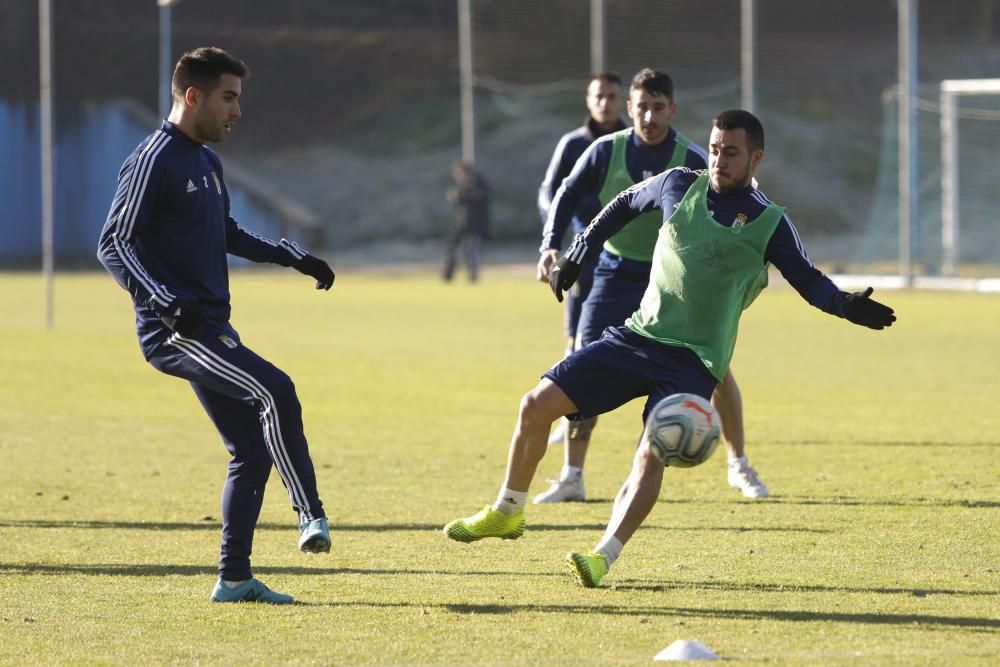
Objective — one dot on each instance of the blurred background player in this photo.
(707, 270)
(471, 198)
(609, 166)
(165, 241)
(605, 102)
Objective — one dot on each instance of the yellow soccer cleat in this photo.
(588, 569)
(489, 522)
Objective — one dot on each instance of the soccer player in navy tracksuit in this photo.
(165, 241)
(605, 103)
(718, 234)
(609, 166)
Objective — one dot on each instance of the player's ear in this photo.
(671, 110)
(755, 158)
(192, 96)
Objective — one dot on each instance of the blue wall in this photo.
(89, 151)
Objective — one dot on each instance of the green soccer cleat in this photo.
(489, 522)
(588, 569)
(252, 590)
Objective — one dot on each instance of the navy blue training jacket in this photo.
(169, 228)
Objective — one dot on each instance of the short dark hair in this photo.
(606, 77)
(735, 119)
(654, 82)
(202, 68)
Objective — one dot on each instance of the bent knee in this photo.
(646, 462)
(536, 408)
(280, 385)
(530, 405)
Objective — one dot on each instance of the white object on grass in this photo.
(687, 649)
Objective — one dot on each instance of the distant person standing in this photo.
(471, 198)
(605, 103)
(166, 241)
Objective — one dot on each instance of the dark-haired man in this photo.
(605, 103)
(718, 235)
(608, 167)
(165, 242)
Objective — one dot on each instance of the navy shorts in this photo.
(624, 365)
(618, 287)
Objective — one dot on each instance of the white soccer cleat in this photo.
(562, 491)
(558, 433)
(743, 477)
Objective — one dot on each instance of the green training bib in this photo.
(637, 238)
(704, 274)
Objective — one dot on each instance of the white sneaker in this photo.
(558, 433)
(562, 491)
(746, 479)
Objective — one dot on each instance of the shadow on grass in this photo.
(793, 588)
(845, 501)
(503, 609)
(215, 525)
(834, 500)
(883, 443)
(163, 570)
(741, 529)
(688, 529)
(733, 614)
(969, 622)
(862, 502)
(208, 524)
(113, 569)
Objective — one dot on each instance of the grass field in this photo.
(879, 546)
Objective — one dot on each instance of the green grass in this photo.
(879, 546)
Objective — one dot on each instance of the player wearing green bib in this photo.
(605, 103)
(613, 164)
(718, 235)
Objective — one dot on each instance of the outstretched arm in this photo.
(785, 251)
(257, 248)
(248, 245)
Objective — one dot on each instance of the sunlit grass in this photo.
(879, 545)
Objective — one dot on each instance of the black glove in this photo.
(860, 309)
(318, 269)
(185, 318)
(562, 276)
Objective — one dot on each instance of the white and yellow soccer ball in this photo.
(682, 430)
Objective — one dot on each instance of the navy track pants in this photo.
(254, 406)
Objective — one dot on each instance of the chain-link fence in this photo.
(350, 113)
(825, 90)
(352, 109)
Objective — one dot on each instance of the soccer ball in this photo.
(682, 430)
